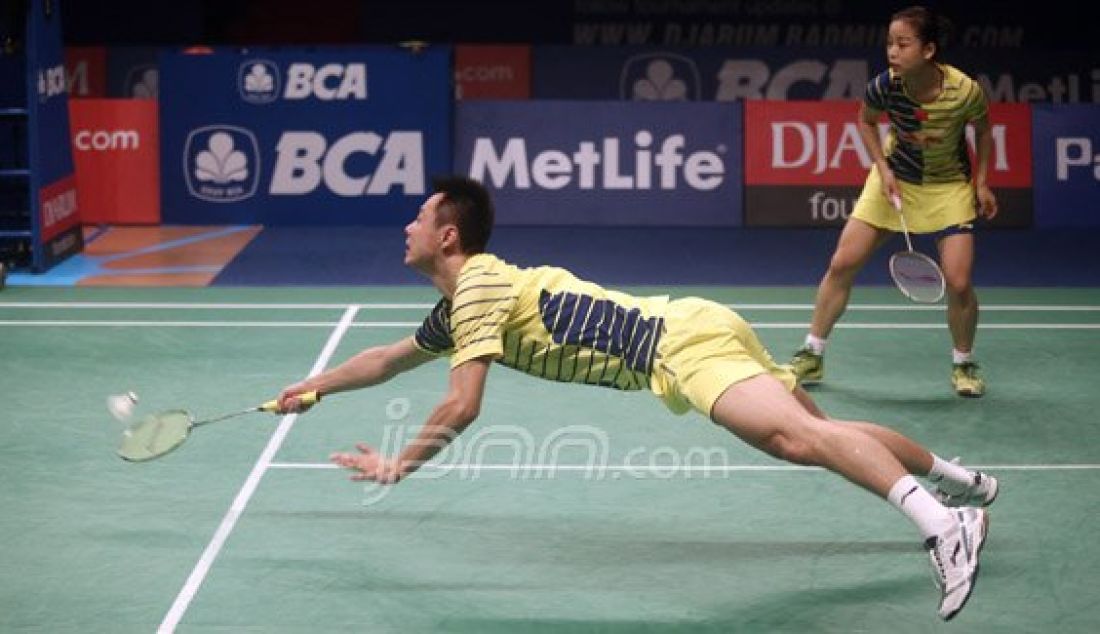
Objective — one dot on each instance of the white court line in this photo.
(419, 306)
(173, 324)
(671, 468)
(212, 306)
(416, 324)
(895, 326)
(928, 308)
(208, 324)
(202, 567)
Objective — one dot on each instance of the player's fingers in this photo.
(365, 448)
(290, 401)
(296, 405)
(300, 404)
(343, 459)
(284, 401)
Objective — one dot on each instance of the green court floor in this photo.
(563, 509)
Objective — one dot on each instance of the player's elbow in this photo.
(467, 413)
(462, 411)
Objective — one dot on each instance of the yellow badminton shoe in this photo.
(966, 380)
(808, 367)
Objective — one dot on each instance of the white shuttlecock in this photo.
(121, 406)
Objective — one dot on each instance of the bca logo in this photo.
(327, 82)
(258, 81)
(221, 163)
(660, 77)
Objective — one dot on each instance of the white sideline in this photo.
(903, 307)
(666, 469)
(202, 567)
(760, 325)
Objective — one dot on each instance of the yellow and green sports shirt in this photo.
(547, 323)
(927, 141)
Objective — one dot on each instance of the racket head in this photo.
(155, 435)
(917, 276)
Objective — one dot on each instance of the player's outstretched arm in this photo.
(455, 412)
(369, 367)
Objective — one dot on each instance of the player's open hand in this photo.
(368, 464)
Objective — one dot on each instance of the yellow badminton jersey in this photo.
(927, 141)
(547, 323)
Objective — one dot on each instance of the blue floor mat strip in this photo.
(319, 256)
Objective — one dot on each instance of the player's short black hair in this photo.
(467, 204)
(931, 27)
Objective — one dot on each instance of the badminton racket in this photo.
(916, 275)
(157, 434)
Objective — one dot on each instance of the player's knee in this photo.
(843, 266)
(959, 286)
(790, 448)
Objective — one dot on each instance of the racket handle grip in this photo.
(306, 399)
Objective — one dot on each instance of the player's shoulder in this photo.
(955, 78)
(480, 265)
(485, 272)
(882, 81)
(879, 89)
(961, 88)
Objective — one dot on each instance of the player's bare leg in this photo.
(763, 413)
(916, 459)
(957, 259)
(858, 240)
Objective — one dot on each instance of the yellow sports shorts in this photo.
(928, 208)
(706, 348)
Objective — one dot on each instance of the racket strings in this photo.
(917, 276)
(155, 435)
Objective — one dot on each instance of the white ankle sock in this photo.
(815, 344)
(950, 477)
(909, 497)
(958, 357)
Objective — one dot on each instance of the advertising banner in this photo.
(806, 163)
(86, 71)
(739, 73)
(605, 163)
(56, 219)
(717, 74)
(1067, 165)
(303, 136)
(132, 72)
(492, 72)
(117, 160)
(984, 24)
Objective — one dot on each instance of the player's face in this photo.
(423, 235)
(904, 50)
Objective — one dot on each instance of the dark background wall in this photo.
(1012, 26)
